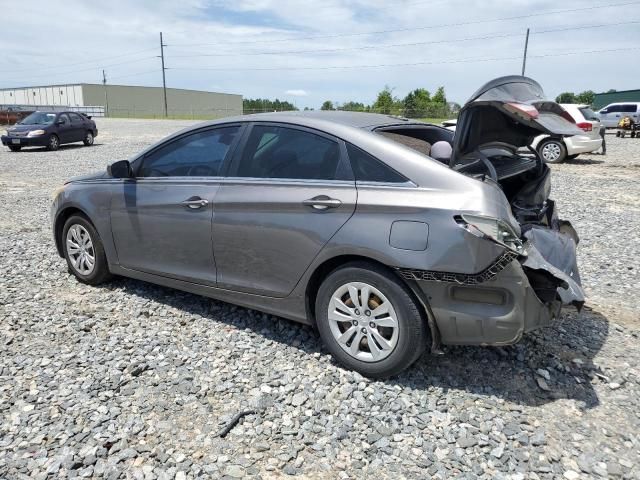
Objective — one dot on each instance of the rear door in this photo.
(161, 220)
(290, 189)
(64, 129)
(77, 127)
(631, 110)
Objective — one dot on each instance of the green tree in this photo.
(258, 105)
(416, 103)
(386, 103)
(352, 106)
(439, 98)
(566, 97)
(587, 97)
(327, 105)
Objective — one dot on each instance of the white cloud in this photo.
(239, 46)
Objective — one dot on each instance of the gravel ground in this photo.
(131, 380)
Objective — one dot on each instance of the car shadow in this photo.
(565, 351)
(584, 161)
(71, 146)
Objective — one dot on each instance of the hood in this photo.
(511, 110)
(90, 176)
(27, 128)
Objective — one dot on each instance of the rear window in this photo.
(629, 108)
(588, 114)
(369, 169)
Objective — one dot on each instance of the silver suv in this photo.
(343, 221)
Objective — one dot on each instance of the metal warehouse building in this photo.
(604, 99)
(127, 100)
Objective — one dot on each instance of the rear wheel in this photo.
(369, 320)
(88, 139)
(552, 151)
(54, 142)
(14, 148)
(83, 251)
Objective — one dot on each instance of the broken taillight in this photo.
(523, 109)
(586, 126)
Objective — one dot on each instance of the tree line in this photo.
(587, 97)
(418, 103)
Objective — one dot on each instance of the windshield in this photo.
(589, 114)
(38, 118)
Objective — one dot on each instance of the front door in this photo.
(288, 192)
(161, 220)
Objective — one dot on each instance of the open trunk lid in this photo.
(510, 110)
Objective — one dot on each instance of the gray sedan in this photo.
(346, 222)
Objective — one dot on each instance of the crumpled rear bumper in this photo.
(519, 296)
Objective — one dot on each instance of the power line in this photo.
(96, 67)
(93, 62)
(435, 62)
(409, 44)
(426, 27)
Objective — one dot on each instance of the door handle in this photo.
(195, 203)
(322, 202)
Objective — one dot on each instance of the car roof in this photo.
(319, 119)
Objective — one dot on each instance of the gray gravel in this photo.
(136, 381)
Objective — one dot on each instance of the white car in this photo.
(557, 150)
(614, 112)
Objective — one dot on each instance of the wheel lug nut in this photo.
(367, 313)
(357, 312)
(372, 325)
(364, 330)
(355, 323)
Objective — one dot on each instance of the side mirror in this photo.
(60, 122)
(120, 169)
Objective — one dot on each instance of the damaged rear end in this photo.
(494, 130)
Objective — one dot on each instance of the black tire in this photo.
(573, 157)
(15, 148)
(100, 272)
(88, 139)
(554, 145)
(412, 334)
(53, 143)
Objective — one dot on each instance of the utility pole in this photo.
(164, 80)
(106, 96)
(524, 58)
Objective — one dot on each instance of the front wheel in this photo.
(83, 251)
(54, 143)
(369, 320)
(88, 139)
(552, 151)
(14, 148)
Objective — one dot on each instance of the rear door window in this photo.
(273, 151)
(629, 108)
(588, 114)
(199, 154)
(367, 168)
(75, 119)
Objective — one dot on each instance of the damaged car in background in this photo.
(388, 235)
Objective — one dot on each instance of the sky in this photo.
(310, 51)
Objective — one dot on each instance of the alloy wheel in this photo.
(363, 321)
(80, 249)
(88, 139)
(551, 152)
(53, 142)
